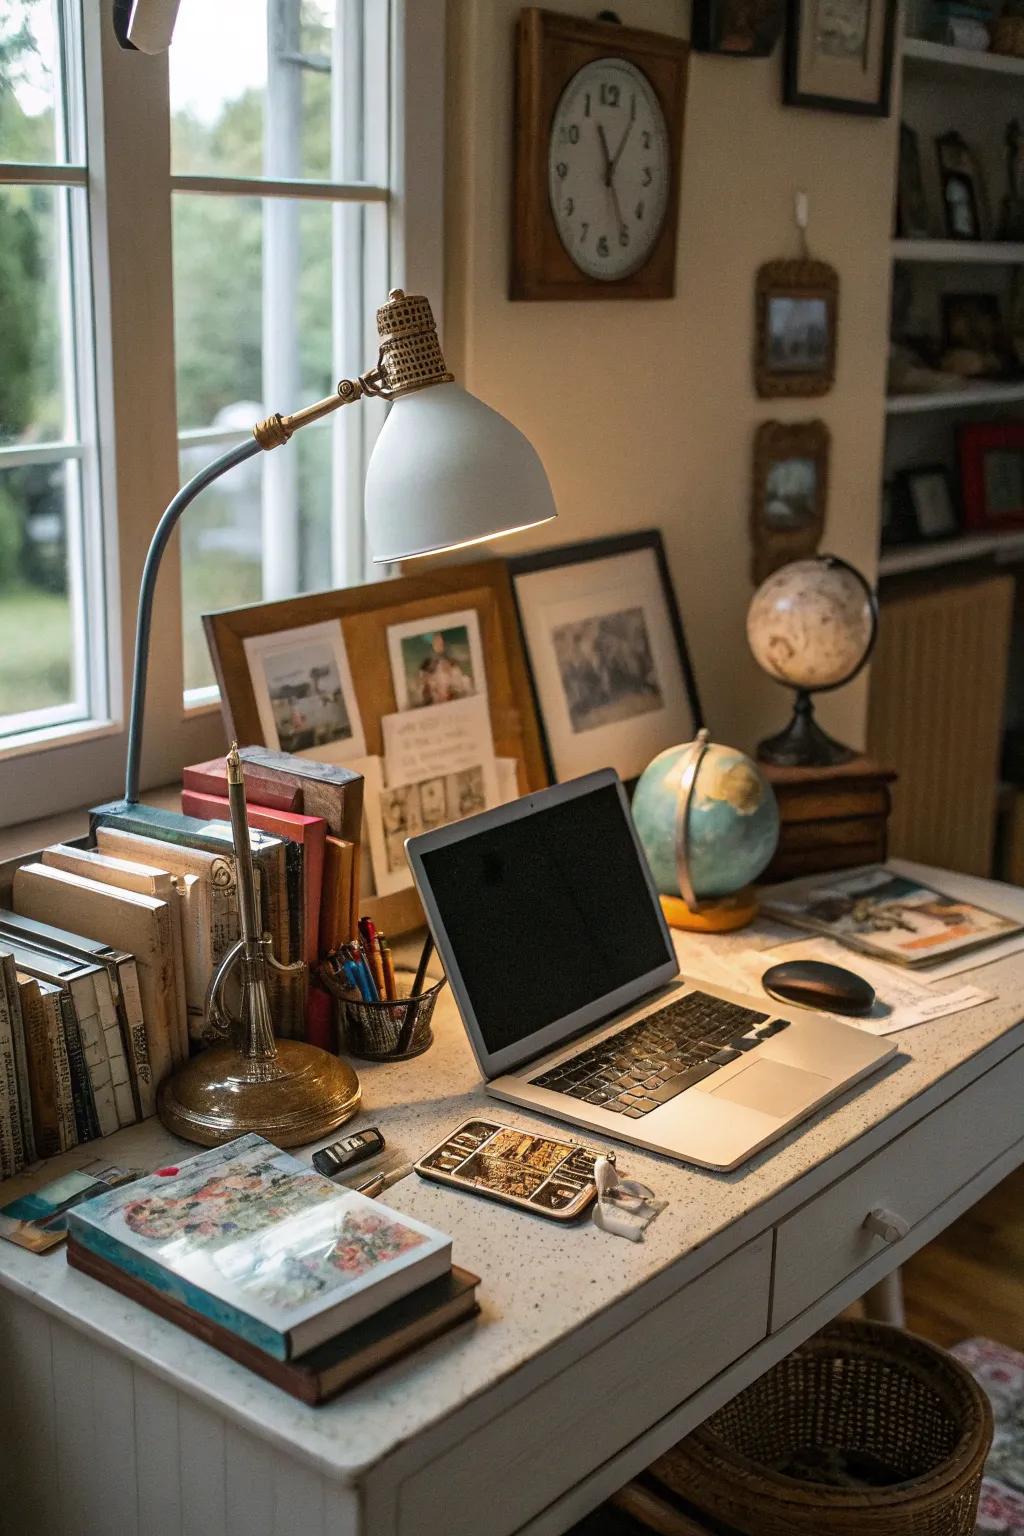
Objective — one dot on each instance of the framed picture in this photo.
(912, 221)
(742, 28)
(963, 192)
(839, 55)
(992, 474)
(797, 309)
(926, 503)
(790, 491)
(374, 641)
(606, 652)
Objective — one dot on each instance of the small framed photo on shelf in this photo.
(607, 655)
(912, 219)
(839, 55)
(963, 190)
(992, 474)
(925, 503)
(797, 308)
(789, 493)
(740, 28)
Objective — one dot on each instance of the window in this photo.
(187, 243)
(280, 178)
(51, 581)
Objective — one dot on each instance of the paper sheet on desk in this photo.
(902, 998)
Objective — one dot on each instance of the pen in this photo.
(356, 976)
(382, 1181)
(388, 966)
(371, 944)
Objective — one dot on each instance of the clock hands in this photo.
(609, 168)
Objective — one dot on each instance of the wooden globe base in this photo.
(299, 1095)
(719, 916)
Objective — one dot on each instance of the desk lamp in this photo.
(446, 472)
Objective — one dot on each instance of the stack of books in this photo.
(831, 818)
(107, 954)
(310, 1285)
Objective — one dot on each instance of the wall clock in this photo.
(598, 136)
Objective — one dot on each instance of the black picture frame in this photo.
(912, 215)
(794, 94)
(737, 29)
(585, 554)
(917, 523)
(959, 169)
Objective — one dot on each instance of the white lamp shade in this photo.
(447, 471)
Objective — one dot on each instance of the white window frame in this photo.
(136, 442)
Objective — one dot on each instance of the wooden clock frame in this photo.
(550, 49)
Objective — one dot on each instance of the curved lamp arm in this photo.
(268, 434)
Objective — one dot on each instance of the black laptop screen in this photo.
(547, 913)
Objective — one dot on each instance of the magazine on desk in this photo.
(888, 915)
(259, 1243)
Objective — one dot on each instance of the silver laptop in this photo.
(546, 917)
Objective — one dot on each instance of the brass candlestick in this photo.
(285, 1090)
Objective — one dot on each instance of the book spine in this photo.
(135, 1038)
(110, 1024)
(139, 1267)
(12, 1155)
(830, 834)
(62, 1072)
(9, 981)
(41, 1070)
(268, 794)
(83, 1105)
(832, 807)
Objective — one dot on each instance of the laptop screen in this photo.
(547, 915)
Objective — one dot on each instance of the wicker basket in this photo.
(863, 1431)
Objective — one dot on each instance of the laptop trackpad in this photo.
(773, 1088)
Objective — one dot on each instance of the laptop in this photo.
(545, 914)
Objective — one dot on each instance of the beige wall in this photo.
(644, 413)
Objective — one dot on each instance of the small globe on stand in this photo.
(812, 626)
(709, 824)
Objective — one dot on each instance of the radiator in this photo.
(935, 713)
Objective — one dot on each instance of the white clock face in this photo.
(609, 168)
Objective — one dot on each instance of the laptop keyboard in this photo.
(648, 1063)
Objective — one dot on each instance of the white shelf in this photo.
(989, 252)
(919, 53)
(969, 546)
(956, 399)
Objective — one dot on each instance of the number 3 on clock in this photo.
(598, 148)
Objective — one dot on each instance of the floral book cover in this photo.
(260, 1243)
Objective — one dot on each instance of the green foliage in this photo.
(10, 539)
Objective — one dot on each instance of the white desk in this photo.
(591, 1357)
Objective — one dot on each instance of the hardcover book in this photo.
(259, 1243)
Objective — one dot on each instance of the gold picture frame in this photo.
(789, 495)
(796, 319)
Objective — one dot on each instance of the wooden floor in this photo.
(970, 1281)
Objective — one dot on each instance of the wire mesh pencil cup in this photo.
(384, 1031)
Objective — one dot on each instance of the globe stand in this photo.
(803, 744)
(719, 916)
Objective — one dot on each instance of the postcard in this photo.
(39, 1221)
(437, 660)
(394, 812)
(888, 915)
(303, 686)
(427, 743)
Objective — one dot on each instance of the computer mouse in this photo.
(813, 984)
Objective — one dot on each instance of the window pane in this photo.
(35, 315)
(37, 609)
(251, 88)
(33, 124)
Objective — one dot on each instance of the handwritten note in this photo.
(428, 743)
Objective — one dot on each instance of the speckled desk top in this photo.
(541, 1283)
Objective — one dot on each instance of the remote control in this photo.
(348, 1153)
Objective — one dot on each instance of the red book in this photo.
(260, 788)
(310, 831)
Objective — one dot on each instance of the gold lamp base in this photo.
(301, 1094)
(719, 916)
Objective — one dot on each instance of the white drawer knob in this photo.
(886, 1225)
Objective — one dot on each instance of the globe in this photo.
(732, 825)
(811, 624)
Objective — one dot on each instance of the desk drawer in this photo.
(555, 1436)
(826, 1240)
